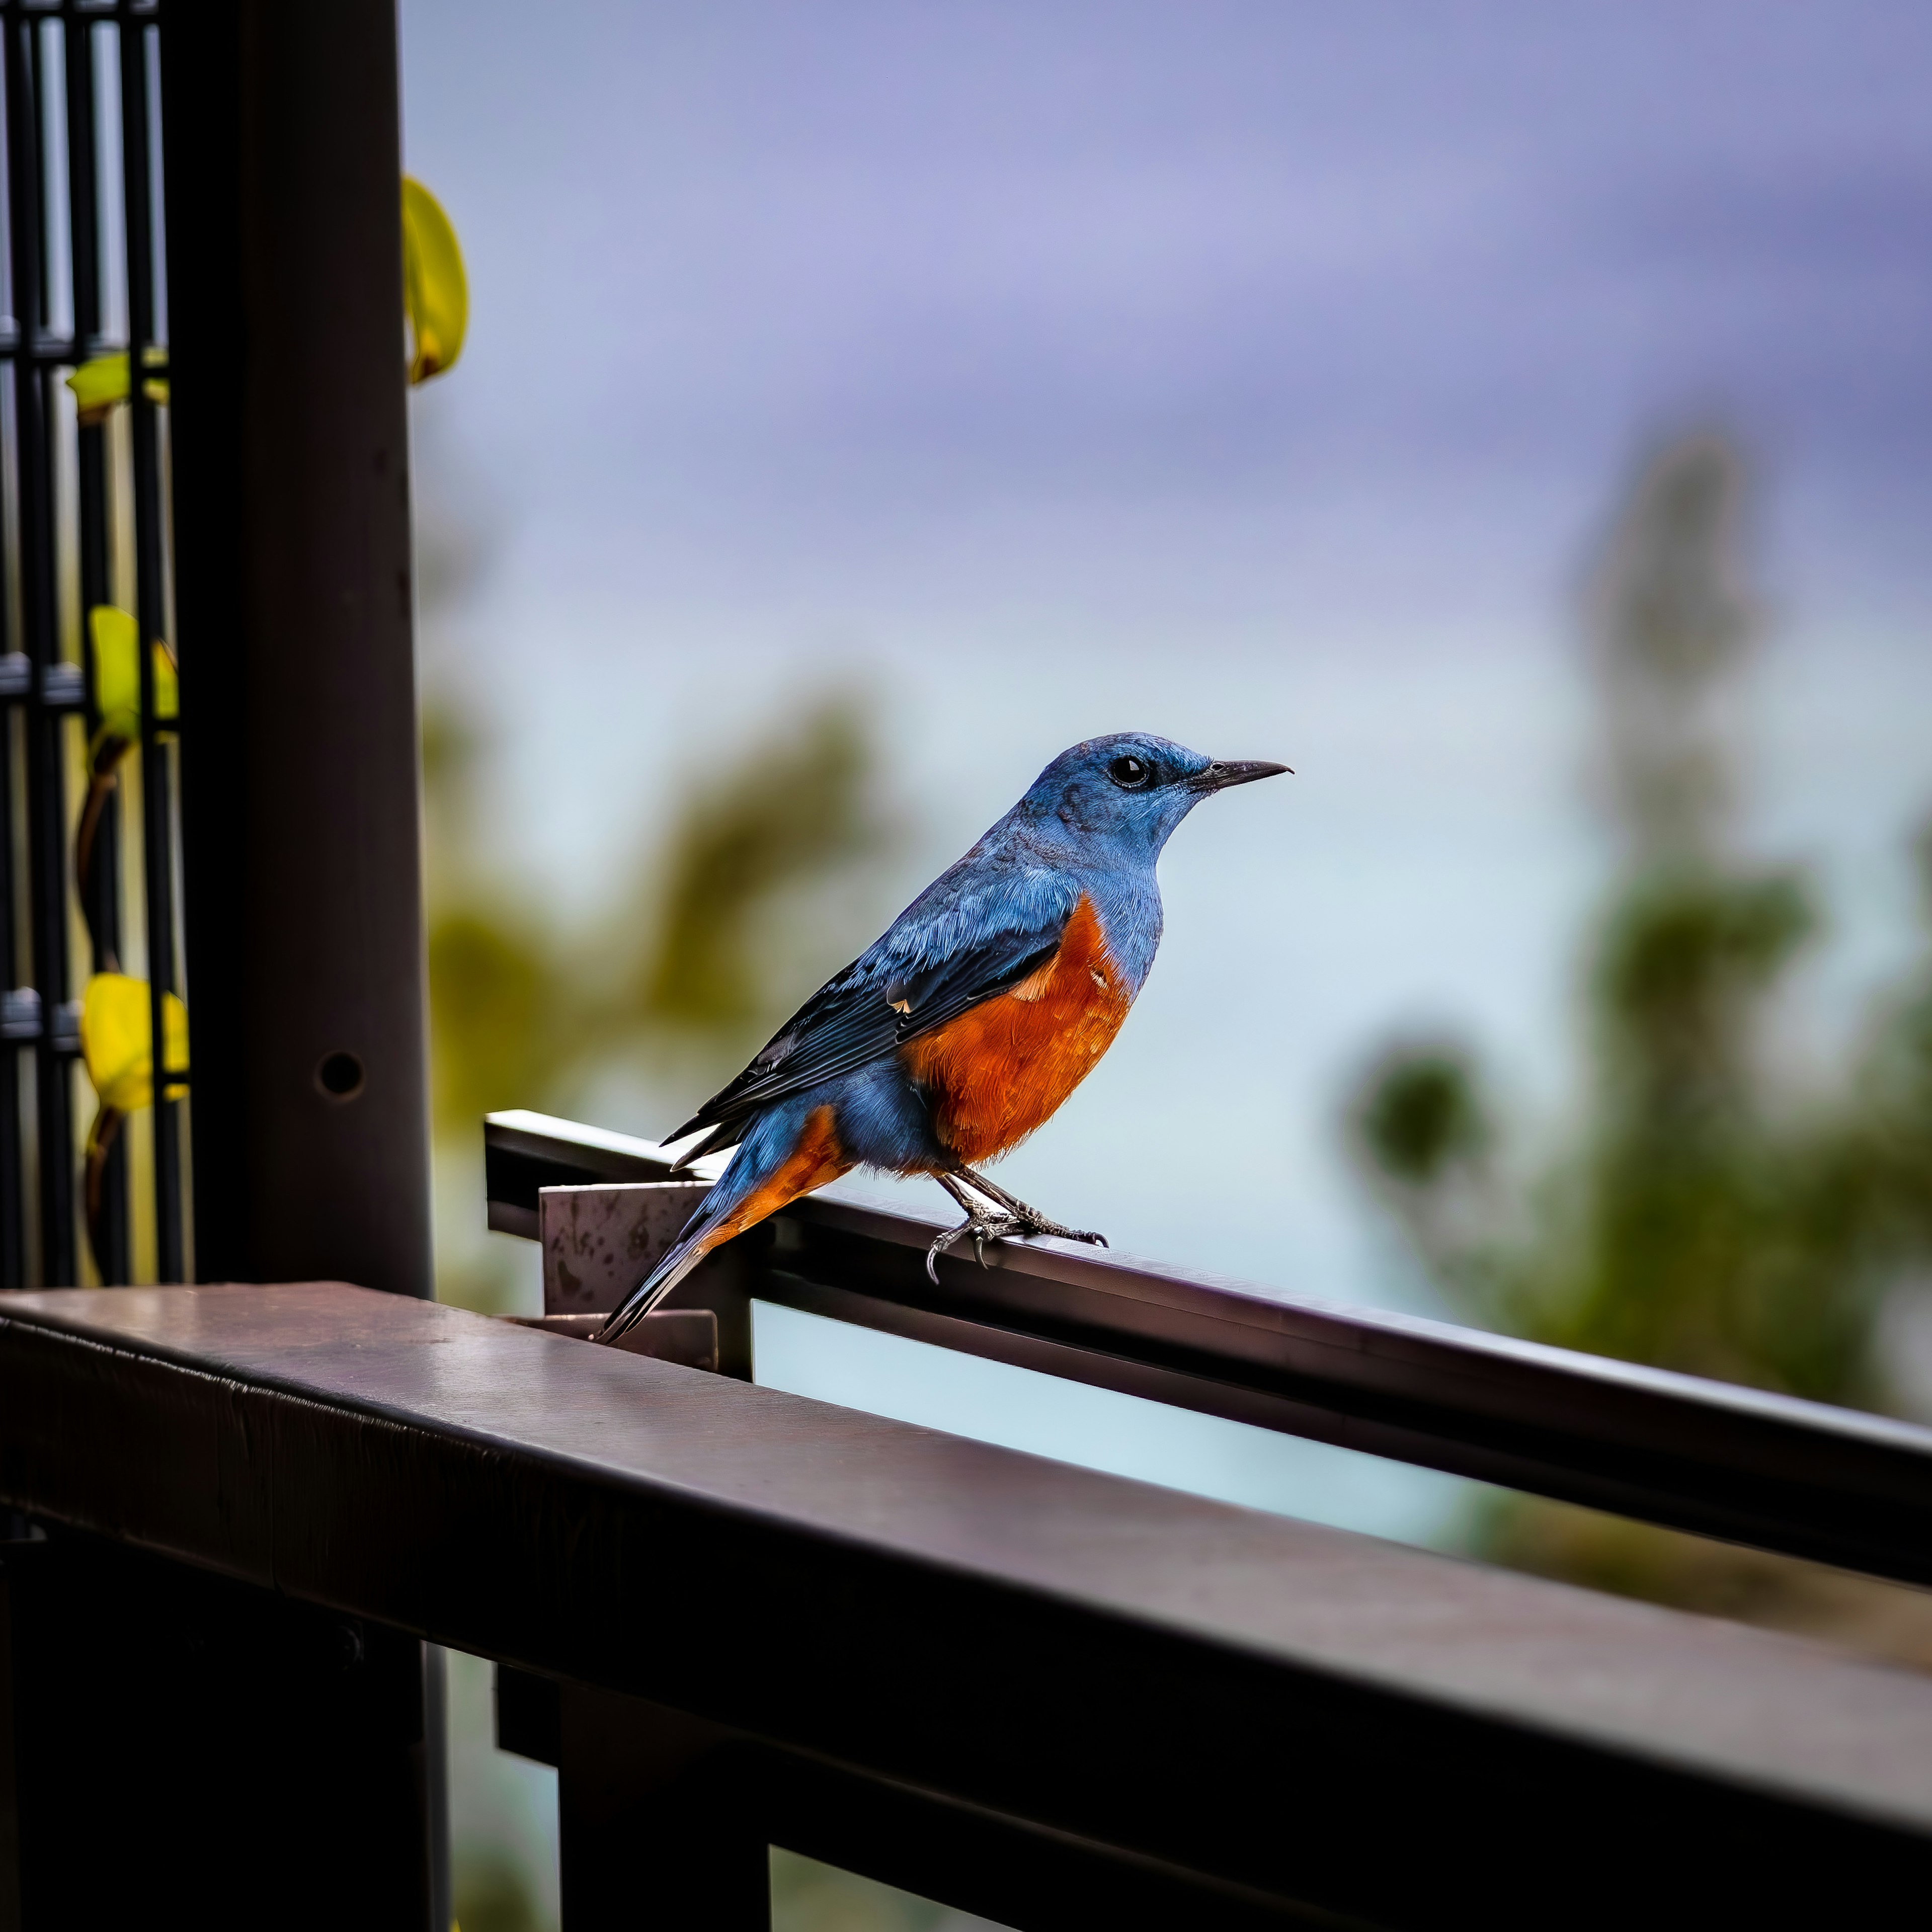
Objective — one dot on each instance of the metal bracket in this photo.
(599, 1242)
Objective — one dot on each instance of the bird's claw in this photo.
(991, 1226)
(995, 1225)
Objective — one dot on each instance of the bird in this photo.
(963, 1027)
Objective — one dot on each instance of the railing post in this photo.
(661, 1826)
(300, 831)
(180, 1742)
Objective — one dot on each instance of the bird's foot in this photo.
(1031, 1220)
(997, 1224)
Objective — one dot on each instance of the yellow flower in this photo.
(435, 292)
(115, 1042)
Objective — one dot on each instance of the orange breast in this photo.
(996, 1072)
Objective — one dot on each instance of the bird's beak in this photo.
(1221, 774)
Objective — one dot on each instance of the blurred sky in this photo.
(1258, 374)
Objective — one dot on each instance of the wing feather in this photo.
(962, 942)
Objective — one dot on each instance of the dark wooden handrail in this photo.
(1273, 1718)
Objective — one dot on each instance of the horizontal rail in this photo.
(63, 686)
(1276, 1717)
(1755, 1469)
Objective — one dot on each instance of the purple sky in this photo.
(785, 281)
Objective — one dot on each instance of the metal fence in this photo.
(88, 810)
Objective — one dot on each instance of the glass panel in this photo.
(808, 1897)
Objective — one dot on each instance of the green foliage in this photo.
(679, 965)
(793, 810)
(808, 1897)
(1699, 1220)
(521, 1010)
(499, 1008)
(1420, 1115)
(492, 1895)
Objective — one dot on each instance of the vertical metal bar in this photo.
(45, 815)
(301, 796)
(13, 1192)
(157, 799)
(641, 1788)
(265, 1753)
(300, 800)
(104, 910)
(12, 1188)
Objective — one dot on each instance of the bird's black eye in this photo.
(1130, 774)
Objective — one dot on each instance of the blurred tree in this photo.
(1700, 1220)
(494, 1895)
(692, 959)
(793, 810)
(700, 940)
(708, 932)
(808, 1897)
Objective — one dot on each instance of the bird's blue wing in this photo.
(973, 934)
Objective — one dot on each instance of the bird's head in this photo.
(1130, 789)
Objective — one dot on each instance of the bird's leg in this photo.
(1025, 1220)
(1031, 1219)
(983, 1223)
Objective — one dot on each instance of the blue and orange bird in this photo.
(989, 999)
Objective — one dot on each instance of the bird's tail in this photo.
(691, 1248)
(787, 1152)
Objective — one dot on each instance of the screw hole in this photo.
(339, 1075)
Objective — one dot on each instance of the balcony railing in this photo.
(1799, 1477)
(736, 1618)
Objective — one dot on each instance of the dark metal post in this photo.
(262, 1758)
(658, 1823)
(302, 891)
(300, 795)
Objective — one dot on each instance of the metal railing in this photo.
(737, 1618)
(1776, 1473)
(734, 1619)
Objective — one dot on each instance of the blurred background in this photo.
(1518, 419)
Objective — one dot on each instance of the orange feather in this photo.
(1000, 1070)
(816, 1160)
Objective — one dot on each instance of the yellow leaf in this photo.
(115, 1037)
(98, 386)
(154, 387)
(435, 292)
(167, 684)
(117, 677)
(117, 670)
